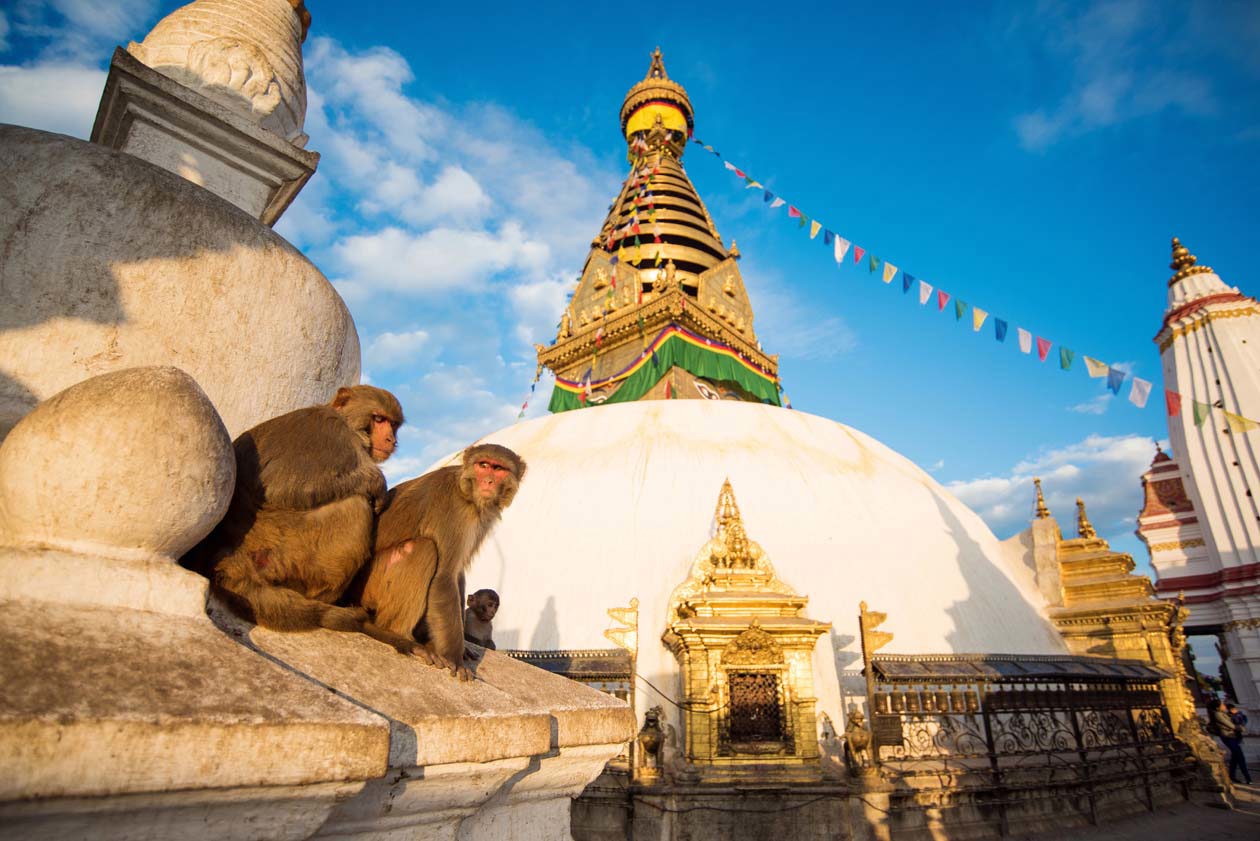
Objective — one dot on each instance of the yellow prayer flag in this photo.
(814, 228)
(1096, 368)
(1237, 423)
(977, 318)
(890, 271)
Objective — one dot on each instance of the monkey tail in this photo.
(282, 609)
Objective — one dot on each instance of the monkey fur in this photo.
(428, 534)
(479, 618)
(299, 526)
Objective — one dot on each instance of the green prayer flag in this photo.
(1201, 411)
(1065, 357)
(960, 307)
(872, 262)
(804, 221)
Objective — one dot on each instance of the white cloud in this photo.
(52, 97)
(538, 305)
(1094, 406)
(80, 31)
(790, 326)
(392, 350)
(1123, 66)
(1104, 471)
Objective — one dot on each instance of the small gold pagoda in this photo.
(1101, 608)
(660, 310)
(746, 654)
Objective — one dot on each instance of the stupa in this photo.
(744, 638)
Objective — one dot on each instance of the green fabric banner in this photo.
(676, 351)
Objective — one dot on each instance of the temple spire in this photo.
(1042, 511)
(1184, 263)
(1083, 526)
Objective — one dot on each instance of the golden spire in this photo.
(1184, 263)
(730, 526)
(657, 70)
(1042, 511)
(1083, 527)
(659, 103)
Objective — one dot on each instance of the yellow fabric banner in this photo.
(890, 271)
(814, 228)
(977, 318)
(1237, 423)
(1096, 368)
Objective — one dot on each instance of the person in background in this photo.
(1222, 725)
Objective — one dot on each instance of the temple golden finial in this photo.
(733, 251)
(1184, 263)
(727, 510)
(1042, 511)
(657, 70)
(1083, 526)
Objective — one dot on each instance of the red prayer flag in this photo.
(793, 212)
(858, 253)
(1173, 401)
(942, 298)
(740, 174)
(1043, 347)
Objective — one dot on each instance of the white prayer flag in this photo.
(842, 248)
(729, 165)
(1025, 340)
(1140, 391)
(777, 203)
(925, 291)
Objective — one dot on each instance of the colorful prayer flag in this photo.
(793, 213)
(1096, 368)
(1043, 348)
(1115, 379)
(842, 246)
(960, 307)
(728, 165)
(778, 202)
(1172, 402)
(804, 219)
(1201, 411)
(769, 195)
(907, 280)
(1237, 423)
(999, 329)
(858, 253)
(814, 228)
(739, 172)
(828, 237)
(942, 298)
(925, 292)
(890, 271)
(1025, 340)
(977, 318)
(1139, 393)
(872, 264)
(1065, 357)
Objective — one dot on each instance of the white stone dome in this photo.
(244, 54)
(618, 501)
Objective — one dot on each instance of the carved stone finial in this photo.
(1083, 527)
(1042, 511)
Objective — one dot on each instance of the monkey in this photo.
(482, 606)
(427, 535)
(299, 526)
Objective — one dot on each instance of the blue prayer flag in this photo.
(907, 280)
(999, 329)
(1115, 378)
(828, 236)
(769, 197)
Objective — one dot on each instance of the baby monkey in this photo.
(482, 606)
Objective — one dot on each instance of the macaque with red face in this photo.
(482, 606)
(426, 537)
(299, 526)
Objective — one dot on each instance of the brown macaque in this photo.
(482, 606)
(426, 537)
(299, 526)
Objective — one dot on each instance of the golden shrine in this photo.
(746, 655)
(660, 310)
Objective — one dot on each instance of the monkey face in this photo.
(483, 607)
(488, 476)
(384, 437)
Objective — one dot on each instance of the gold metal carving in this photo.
(754, 647)
(1178, 544)
(1084, 528)
(1183, 262)
(1240, 624)
(626, 636)
(1042, 511)
(1206, 317)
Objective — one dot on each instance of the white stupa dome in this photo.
(618, 501)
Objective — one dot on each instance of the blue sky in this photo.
(1031, 158)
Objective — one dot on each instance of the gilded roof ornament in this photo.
(1042, 511)
(656, 92)
(1184, 263)
(1083, 526)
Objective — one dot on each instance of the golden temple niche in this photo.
(746, 655)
